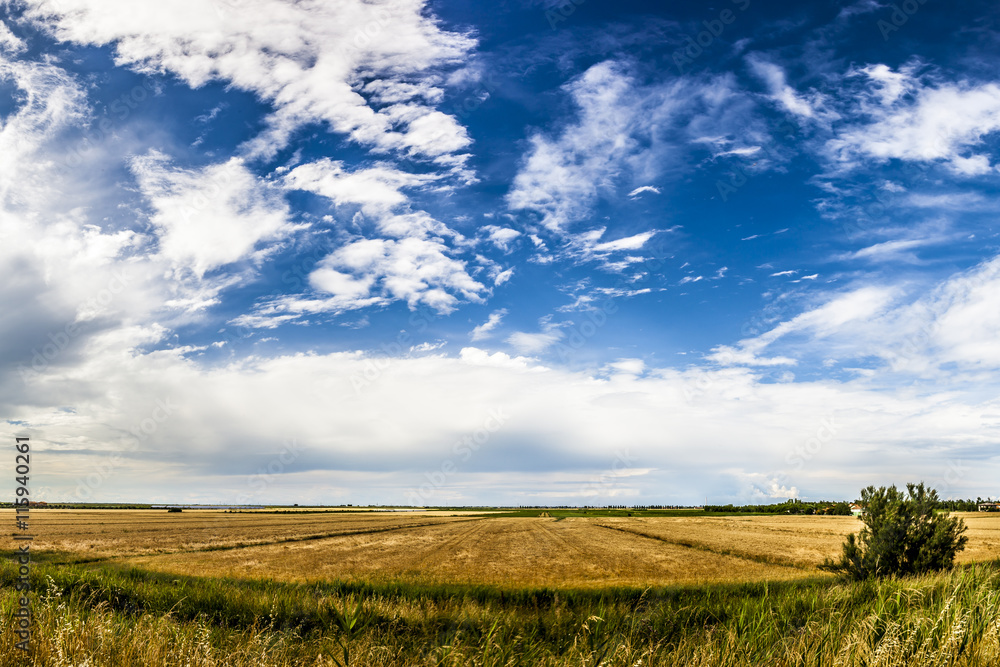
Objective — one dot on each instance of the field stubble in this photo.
(471, 549)
(577, 591)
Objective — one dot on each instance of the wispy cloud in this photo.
(485, 330)
(644, 188)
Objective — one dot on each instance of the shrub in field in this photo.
(902, 535)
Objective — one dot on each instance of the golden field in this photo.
(210, 588)
(437, 547)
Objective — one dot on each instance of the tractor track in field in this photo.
(700, 546)
(248, 545)
(439, 550)
(562, 541)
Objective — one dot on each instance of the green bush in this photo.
(902, 535)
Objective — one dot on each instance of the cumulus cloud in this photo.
(302, 58)
(501, 237)
(213, 216)
(371, 272)
(414, 263)
(909, 118)
(376, 189)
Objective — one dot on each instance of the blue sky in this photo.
(520, 253)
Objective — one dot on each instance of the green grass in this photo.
(121, 616)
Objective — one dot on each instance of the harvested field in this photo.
(420, 547)
(795, 541)
(506, 551)
(101, 534)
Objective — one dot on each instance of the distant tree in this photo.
(902, 535)
(840, 509)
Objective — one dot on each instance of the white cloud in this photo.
(587, 246)
(503, 277)
(485, 330)
(645, 188)
(561, 178)
(47, 103)
(372, 272)
(619, 132)
(302, 58)
(946, 332)
(742, 151)
(501, 237)
(949, 201)
(9, 42)
(533, 343)
(376, 189)
(539, 341)
(732, 356)
(891, 249)
(474, 356)
(82, 276)
(849, 308)
(628, 366)
(774, 77)
(634, 242)
(428, 347)
(378, 193)
(567, 421)
(210, 217)
(931, 122)
(414, 270)
(414, 264)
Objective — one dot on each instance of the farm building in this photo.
(857, 510)
(989, 507)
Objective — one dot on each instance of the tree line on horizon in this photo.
(830, 507)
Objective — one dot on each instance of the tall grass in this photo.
(116, 617)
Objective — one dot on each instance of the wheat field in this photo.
(439, 547)
(449, 589)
